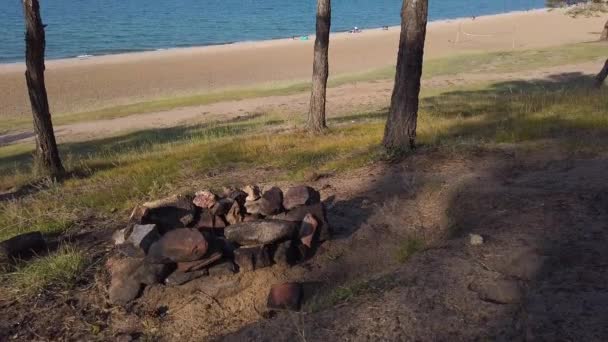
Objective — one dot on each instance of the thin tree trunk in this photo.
(400, 130)
(316, 115)
(604, 35)
(601, 77)
(47, 155)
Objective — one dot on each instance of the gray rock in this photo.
(143, 236)
(271, 202)
(499, 291)
(179, 245)
(22, 246)
(260, 232)
(300, 195)
(173, 212)
(252, 207)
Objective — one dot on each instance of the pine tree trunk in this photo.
(400, 131)
(604, 36)
(316, 115)
(48, 161)
(601, 77)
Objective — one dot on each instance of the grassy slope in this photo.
(497, 62)
(116, 173)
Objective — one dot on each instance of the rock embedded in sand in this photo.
(499, 291)
(261, 232)
(205, 199)
(179, 245)
(226, 268)
(271, 202)
(300, 195)
(124, 287)
(151, 274)
(143, 236)
(172, 212)
(287, 296)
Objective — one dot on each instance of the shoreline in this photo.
(161, 52)
(85, 85)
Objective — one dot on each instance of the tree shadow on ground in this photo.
(542, 214)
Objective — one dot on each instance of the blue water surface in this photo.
(97, 27)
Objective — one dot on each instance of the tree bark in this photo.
(601, 77)
(320, 73)
(400, 130)
(604, 36)
(47, 155)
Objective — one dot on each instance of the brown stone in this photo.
(124, 287)
(205, 199)
(286, 296)
(179, 245)
(308, 229)
(252, 258)
(199, 264)
(238, 196)
(138, 214)
(300, 195)
(271, 202)
(284, 254)
(150, 274)
(222, 206)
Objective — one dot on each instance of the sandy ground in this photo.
(341, 100)
(80, 85)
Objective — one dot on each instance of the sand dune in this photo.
(76, 85)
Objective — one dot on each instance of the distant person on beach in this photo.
(385, 28)
(355, 30)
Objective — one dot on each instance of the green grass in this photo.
(59, 270)
(482, 62)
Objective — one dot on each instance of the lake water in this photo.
(97, 27)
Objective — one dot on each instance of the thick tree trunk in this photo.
(48, 161)
(601, 77)
(604, 36)
(320, 72)
(400, 131)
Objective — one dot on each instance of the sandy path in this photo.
(79, 85)
(341, 100)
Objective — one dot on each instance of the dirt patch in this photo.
(539, 275)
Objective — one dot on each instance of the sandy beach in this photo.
(77, 85)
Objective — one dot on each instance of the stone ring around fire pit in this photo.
(182, 238)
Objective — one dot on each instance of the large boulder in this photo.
(22, 246)
(172, 212)
(261, 232)
(179, 245)
(300, 195)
